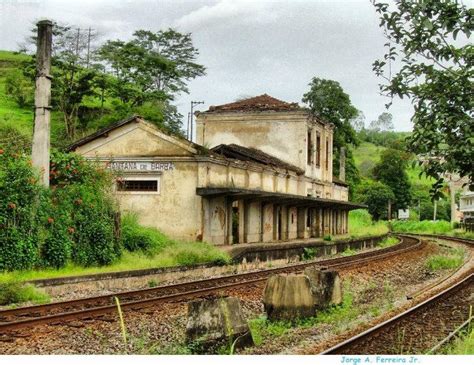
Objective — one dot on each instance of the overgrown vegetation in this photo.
(449, 260)
(387, 242)
(72, 221)
(361, 224)
(462, 345)
(14, 292)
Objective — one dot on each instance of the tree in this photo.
(429, 40)
(383, 123)
(391, 170)
(328, 101)
(358, 122)
(377, 196)
(151, 66)
(74, 75)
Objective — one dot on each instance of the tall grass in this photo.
(428, 227)
(14, 292)
(361, 224)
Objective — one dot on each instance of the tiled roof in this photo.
(258, 103)
(254, 155)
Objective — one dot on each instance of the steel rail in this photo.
(353, 341)
(407, 243)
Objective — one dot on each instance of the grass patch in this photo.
(348, 252)
(463, 345)
(452, 260)
(430, 227)
(14, 292)
(387, 242)
(361, 225)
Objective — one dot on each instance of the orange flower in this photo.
(78, 201)
(1, 151)
(50, 220)
(11, 205)
(71, 230)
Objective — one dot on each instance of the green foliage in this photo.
(361, 224)
(376, 195)
(428, 227)
(136, 237)
(14, 292)
(462, 345)
(391, 171)
(71, 221)
(308, 253)
(328, 101)
(19, 88)
(348, 252)
(452, 260)
(430, 41)
(20, 196)
(387, 242)
(327, 237)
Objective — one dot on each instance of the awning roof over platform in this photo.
(279, 198)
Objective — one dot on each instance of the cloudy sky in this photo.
(248, 47)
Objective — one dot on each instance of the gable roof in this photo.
(258, 103)
(104, 132)
(254, 155)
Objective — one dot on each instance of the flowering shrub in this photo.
(20, 203)
(73, 220)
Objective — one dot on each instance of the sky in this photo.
(248, 47)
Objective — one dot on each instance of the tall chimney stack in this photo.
(41, 135)
(342, 164)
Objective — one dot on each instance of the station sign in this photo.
(140, 166)
(403, 213)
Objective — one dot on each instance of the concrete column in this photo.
(242, 221)
(252, 222)
(292, 223)
(41, 135)
(301, 222)
(228, 209)
(267, 223)
(284, 223)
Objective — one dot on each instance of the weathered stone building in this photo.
(261, 171)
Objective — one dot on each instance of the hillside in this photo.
(10, 113)
(367, 155)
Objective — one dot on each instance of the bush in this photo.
(136, 237)
(360, 224)
(20, 198)
(12, 292)
(73, 220)
(428, 227)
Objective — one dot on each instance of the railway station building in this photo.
(260, 171)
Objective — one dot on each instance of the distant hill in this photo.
(367, 155)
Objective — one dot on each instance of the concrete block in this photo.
(217, 321)
(288, 297)
(326, 286)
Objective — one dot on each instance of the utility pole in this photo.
(88, 47)
(77, 41)
(193, 103)
(40, 148)
(188, 126)
(435, 209)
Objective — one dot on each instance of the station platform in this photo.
(296, 249)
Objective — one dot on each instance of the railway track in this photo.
(418, 329)
(101, 306)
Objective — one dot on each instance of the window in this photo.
(138, 185)
(318, 149)
(309, 149)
